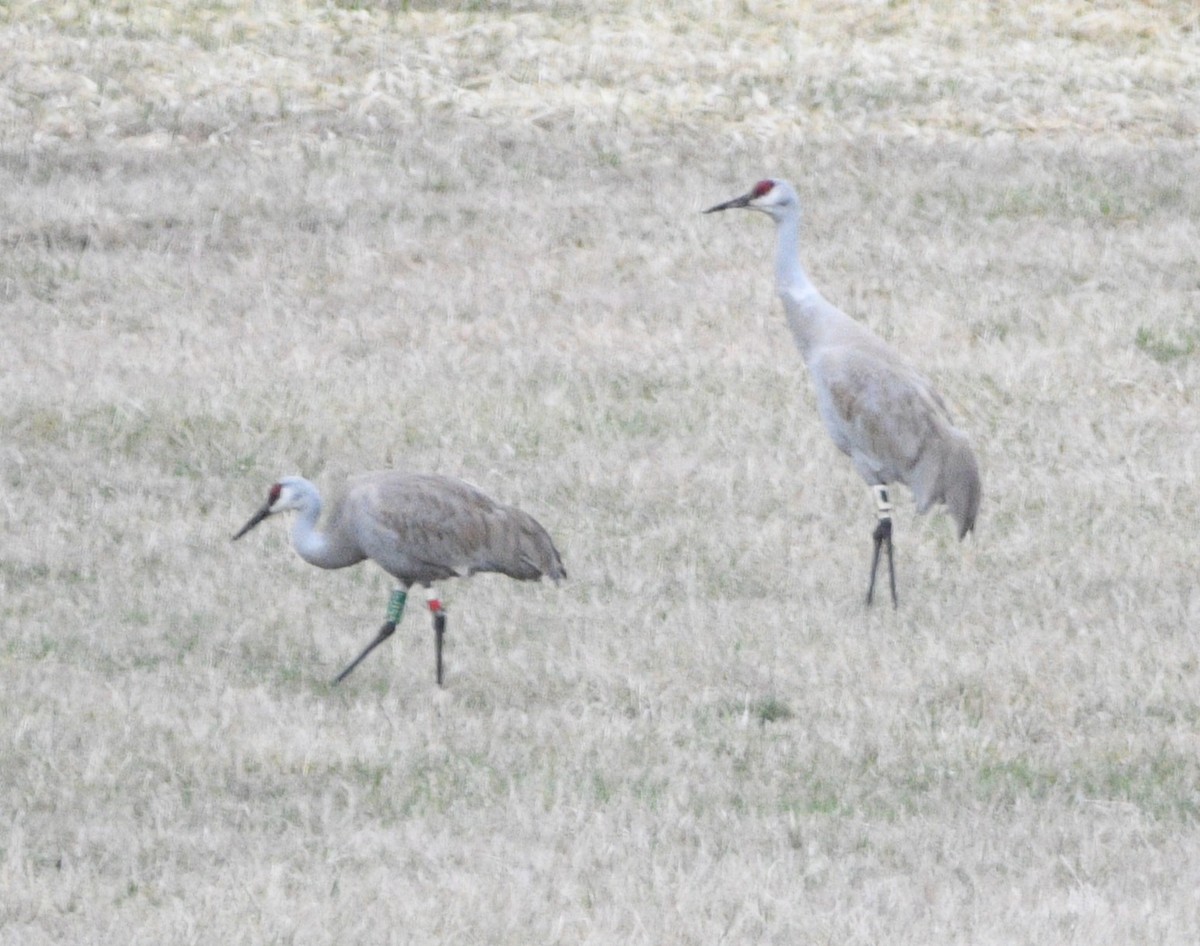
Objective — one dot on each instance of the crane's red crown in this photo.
(274, 494)
(761, 188)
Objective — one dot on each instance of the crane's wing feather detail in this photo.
(435, 527)
(895, 428)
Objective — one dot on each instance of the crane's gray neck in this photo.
(309, 544)
(804, 306)
(330, 549)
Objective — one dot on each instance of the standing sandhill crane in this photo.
(419, 529)
(877, 408)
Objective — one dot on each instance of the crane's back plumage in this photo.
(423, 528)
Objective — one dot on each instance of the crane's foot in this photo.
(883, 536)
(439, 629)
(395, 611)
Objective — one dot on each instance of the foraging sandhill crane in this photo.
(419, 529)
(877, 408)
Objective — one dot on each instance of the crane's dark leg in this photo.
(882, 536)
(394, 612)
(439, 627)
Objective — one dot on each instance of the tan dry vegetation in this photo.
(246, 239)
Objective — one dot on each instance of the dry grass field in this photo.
(246, 238)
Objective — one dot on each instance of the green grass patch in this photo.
(1165, 349)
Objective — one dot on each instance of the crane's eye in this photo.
(273, 496)
(762, 188)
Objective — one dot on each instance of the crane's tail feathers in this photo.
(961, 486)
(535, 555)
(949, 475)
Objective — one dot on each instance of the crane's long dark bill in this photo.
(254, 520)
(730, 204)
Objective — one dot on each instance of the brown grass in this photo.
(245, 239)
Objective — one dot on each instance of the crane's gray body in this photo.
(419, 528)
(881, 412)
(877, 408)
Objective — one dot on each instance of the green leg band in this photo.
(396, 605)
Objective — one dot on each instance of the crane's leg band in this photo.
(432, 599)
(883, 505)
(396, 605)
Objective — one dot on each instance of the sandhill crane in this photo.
(419, 529)
(877, 408)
